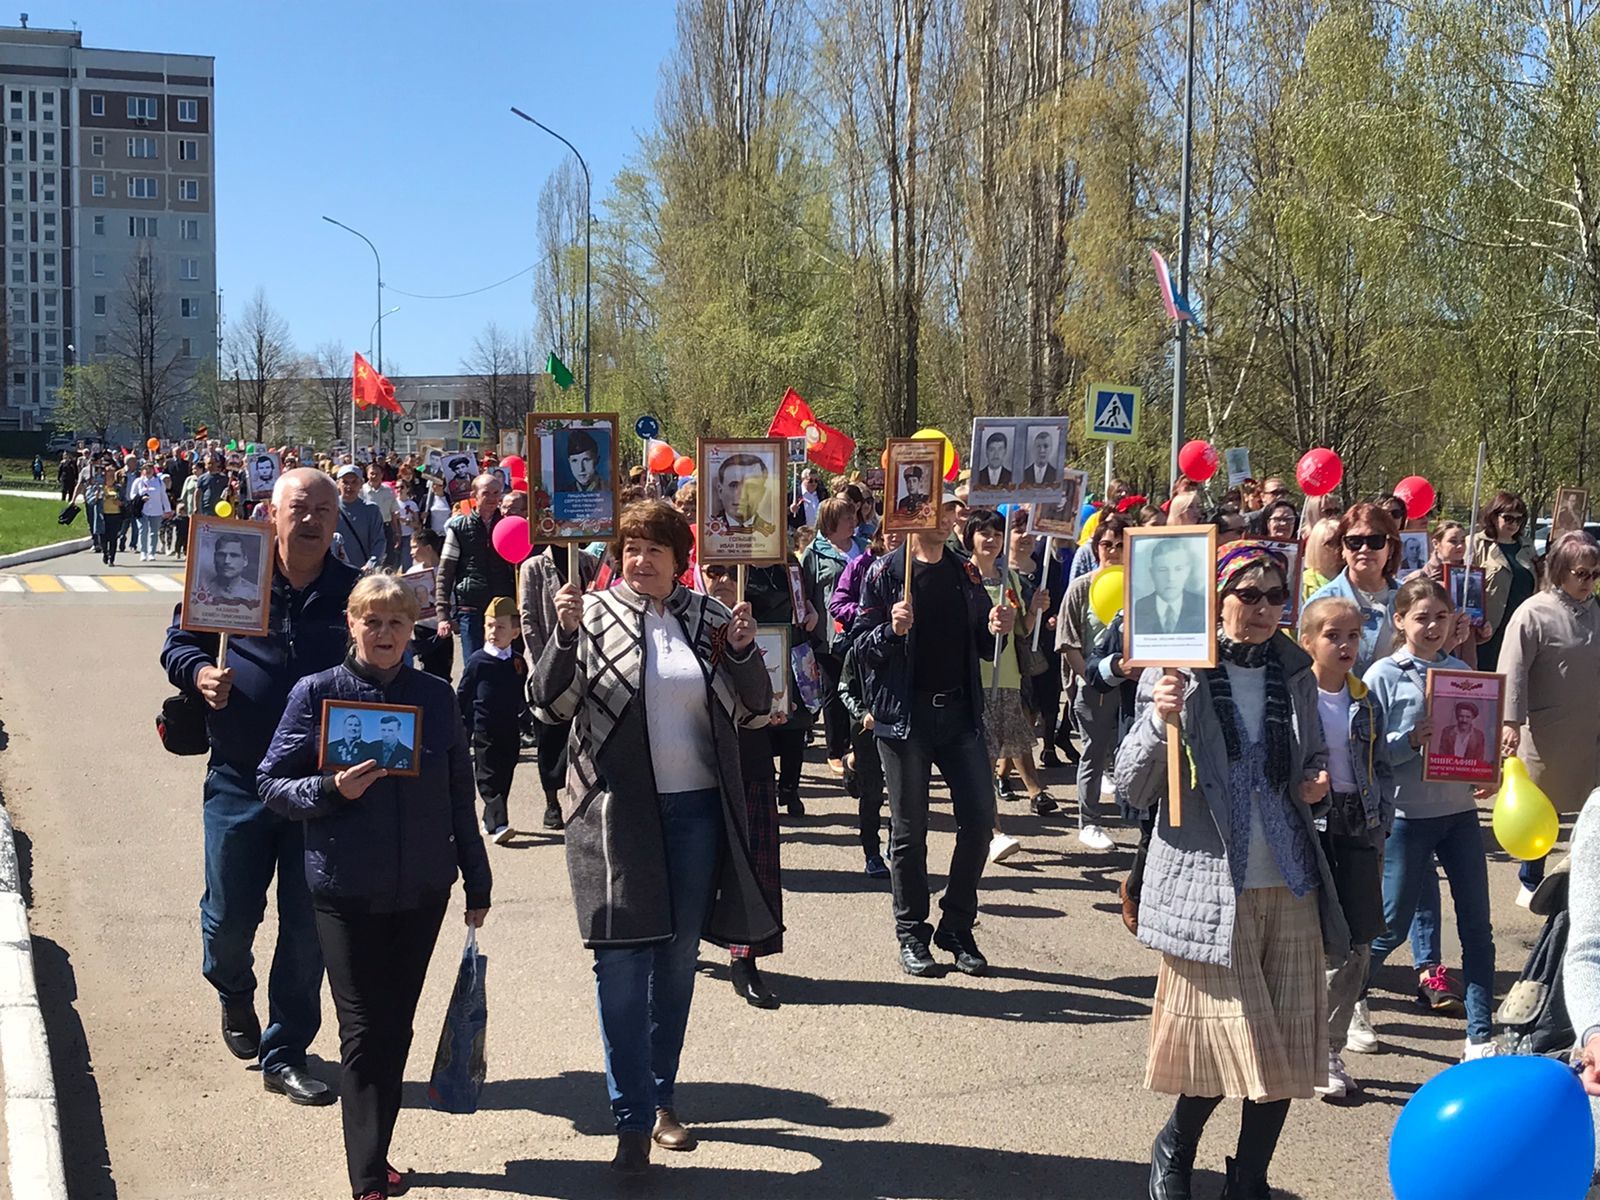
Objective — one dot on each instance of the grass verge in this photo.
(26, 523)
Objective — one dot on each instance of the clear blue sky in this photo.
(394, 118)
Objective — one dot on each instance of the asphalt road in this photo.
(865, 1083)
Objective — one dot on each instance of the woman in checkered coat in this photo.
(657, 680)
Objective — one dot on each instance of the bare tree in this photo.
(501, 391)
(262, 362)
(558, 284)
(145, 360)
(331, 365)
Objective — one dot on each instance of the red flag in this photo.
(792, 417)
(369, 388)
(825, 445)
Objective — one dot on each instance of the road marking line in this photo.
(11, 583)
(82, 583)
(122, 583)
(43, 583)
(161, 583)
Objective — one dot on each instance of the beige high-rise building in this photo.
(109, 180)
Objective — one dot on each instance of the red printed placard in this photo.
(1465, 709)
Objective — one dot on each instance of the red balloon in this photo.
(1198, 460)
(662, 456)
(684, 465)
(516, 465)
(1418, 495)
(955, 465)
(510, 538)
(1319, 472)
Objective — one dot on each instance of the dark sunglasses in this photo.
(717, 572)
(1583, 575)
(1519, 518)
(1365, 541)
(1250, 597)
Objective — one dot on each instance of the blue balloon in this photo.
(1510, 1128)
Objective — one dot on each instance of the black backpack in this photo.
(1533, 1016)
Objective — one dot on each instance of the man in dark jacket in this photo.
(246, 843)
(920, 658)
(471, 571)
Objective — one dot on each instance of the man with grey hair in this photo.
(471, 571)
(362, 541)
(246, 843)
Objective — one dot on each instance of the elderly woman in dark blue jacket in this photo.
(382, 852)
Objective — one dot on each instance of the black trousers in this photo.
(376, 965)
(789, 746)
(552, 740)
(110, 532)
(1046, 691)
(434, 654)
(835, 717)
(494, 762)
(869, 782)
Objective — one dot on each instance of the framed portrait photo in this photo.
(772, 643)
(913, 485)
(1170, 596)
(422, 583)
(1414, 550)
(741, 516)
(797, 592)
(1017, 460)
(227, 581)
(1466, 708)
(1570, 511)
(1465, 586)
(993, 462)
(261, 471)
(1292, 555)
(354, 732)
(459, 468)
(1059, 518)
(573, 490)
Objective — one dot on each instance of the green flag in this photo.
(557, 370)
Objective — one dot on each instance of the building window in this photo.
(188, 307)
(97, 264)
(47, 154)
(141, 108)
(19, 275)
(185, 348)
(188, 150)
(16, 195)
(51, 338)
(97, 185)
(49, 193)
(188, 111)
(99, 306)
(97, 105)
(189, 189)
(142, 227)
(189, 229)
(97, 146)
(48, 138)
(141, 147)
(144, 187)
(188, 268)
(100, 226)
(100, 343)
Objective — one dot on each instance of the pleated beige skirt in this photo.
(1256, 1030)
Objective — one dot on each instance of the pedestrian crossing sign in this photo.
(1113, 411)
(471, 429)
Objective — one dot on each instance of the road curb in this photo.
(32, 1118)
(40, 553)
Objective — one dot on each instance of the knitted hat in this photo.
(500, 606)
(1244, 556)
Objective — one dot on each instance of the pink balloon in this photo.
(1418, 495)
(1319, 472)
(510, 538)
(515, 464)
(1198, 460)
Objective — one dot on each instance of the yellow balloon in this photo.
(1089, 526)
(949, 448)
(1525, 822)
(1105, 594)
(223, 509)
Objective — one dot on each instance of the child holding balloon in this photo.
(1431, 818)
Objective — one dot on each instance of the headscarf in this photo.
(1244, 556)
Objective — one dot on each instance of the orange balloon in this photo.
(883, 459)
(683, 465)
(153, 444)
(662, 456)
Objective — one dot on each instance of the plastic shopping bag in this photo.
(458, 1063)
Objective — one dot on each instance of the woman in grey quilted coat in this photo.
(1237, 895)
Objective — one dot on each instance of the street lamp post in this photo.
(378, 323)
(588, 219)
(1180, 355)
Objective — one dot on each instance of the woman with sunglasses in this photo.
(1369, 540)
(1551, 659)
(1504, 551)
(1238, 898)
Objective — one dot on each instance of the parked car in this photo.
(1541, 532)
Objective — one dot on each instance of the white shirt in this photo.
(1459, 742)
(677, 707)
(438, 512)
(812, 502)
(1334, 709)
(1167, 613)
(387, 502)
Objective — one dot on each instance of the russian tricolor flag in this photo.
(1177, 305)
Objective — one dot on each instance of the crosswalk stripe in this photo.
(43, 583)
(122, 583)
(11, 583)
(82, 583)
(161, 583)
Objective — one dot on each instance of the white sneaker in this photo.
(1524, 897)
(1339, 1084)
(1362, 1039)
(1107, 788)
(1002, 847)
(1489, 1049)
(1096, 838)
(502, 835)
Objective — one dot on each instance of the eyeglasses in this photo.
(1514, 518)
(1365, 541)
(1584, 576)
(1250, 597)
(717, 572)
(1277, 491)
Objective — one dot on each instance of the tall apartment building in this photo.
(109, 172)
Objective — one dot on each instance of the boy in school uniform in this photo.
(493, 696)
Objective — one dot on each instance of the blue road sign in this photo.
(471, 429)
(647, 426)
(1113, 412)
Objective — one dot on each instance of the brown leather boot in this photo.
(670, 1134)
(1130, 909)
(633, 1152)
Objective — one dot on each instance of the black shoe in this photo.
(1048, 761)
(1068, 750)
(792, 803)
(241, 1030)
(300, 1087)
(876, 867)
(1240, 1188)
(1042, 804)
(552, 815)
(969, 959)
(914, 957)
(748, 983)
(633, 1152)
(1171, 1167)
(528, 742)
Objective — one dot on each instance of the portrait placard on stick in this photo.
(1466, 709)
(1291, 555)
(912, 488)
(354, 732)
(1570, 512)
(773, 642)
(573, 493)
(227, 582)
(1017, 460)
(740, 517)
(1059, 518)
(1170, 597)
(1465, 586)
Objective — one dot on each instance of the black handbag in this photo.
(69, 514)
(181, 725)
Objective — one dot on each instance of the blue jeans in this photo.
(643, 992)
(1408, 861)
(149, 534)
(246, 842)
(1425, 948)
(91, 512)
(469, 632)
(1531, 873)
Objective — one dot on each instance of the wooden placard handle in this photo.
(222, 650)
(739, 577)
(1174, 768)
(906, 596)
(573, 575)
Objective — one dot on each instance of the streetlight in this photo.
(378, 323)
(587, 220)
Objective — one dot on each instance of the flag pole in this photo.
(1005, 575)
(1044, 580)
